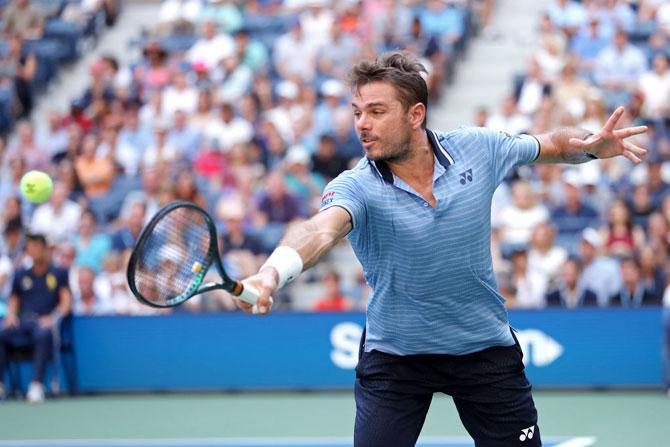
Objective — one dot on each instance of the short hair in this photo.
(401, 70)
(13, 225)
(36, 237)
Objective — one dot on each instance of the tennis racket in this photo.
(172, 256)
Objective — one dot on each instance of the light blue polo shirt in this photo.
(430, 269)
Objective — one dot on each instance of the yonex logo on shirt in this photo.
(466, 176)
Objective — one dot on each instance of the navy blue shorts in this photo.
(489, 387)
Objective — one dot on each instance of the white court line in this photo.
(578, 442)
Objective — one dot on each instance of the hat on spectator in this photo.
(199, 66)
(297, 155)
(592, 236)
(572, 177)
(332, 87)
(230, 209)
(287, 89)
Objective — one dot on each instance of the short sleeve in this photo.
(509, 151)
(63, 279)
(344, 191)
(16, 283)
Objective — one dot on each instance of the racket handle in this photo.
(250, 295)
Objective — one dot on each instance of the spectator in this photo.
(235, 237)
(653, 277)
(133, 221)
(95, 173)
(54, 138)
(295, 55)
(568, 16)
(34, 156)
(85, 300)
(20, 64)
(211, 47)
(587, 44)
(340, 53)
(333, 299)
(632, 292)
(178, 16)
(621, 238)
(91, 245)
(58, 218)
(301, 181)
(153, 73)
(531, 89)
(641, 205)
(11, 181)
(252, 53)
(160, 155)
(574, 215)
(528, 287)
(23, 19)
(13, 241)
(618, 68)
(185, 188)
(571, 92)
(184, 136)
(509, 119)
(229, 129)
(225, 14)
(544, 257)
(517, 220)
(6, 275)
(654, 85)
(569, 291)
(237, 79)
(179, 95)
(277, 204)
(601, 274)
(40, 298)
(326, 160)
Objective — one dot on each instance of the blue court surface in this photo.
(266, 442)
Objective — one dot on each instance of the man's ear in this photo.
(417, 114)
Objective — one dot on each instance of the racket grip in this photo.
(250, 295)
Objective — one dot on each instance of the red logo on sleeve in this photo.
(327, 198)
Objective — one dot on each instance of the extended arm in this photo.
(311, 240)
(573, 145)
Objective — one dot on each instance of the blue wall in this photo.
(308, 351)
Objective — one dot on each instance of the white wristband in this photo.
(287, 262)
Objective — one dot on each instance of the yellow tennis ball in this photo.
(196, 267)
(36, 186)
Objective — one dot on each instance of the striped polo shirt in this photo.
(430, 269)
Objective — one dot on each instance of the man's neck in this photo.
(40, 268)
(420, 165)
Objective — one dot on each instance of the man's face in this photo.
(36, 250)
(382, 124)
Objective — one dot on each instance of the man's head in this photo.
(37, 248)
(390, 103)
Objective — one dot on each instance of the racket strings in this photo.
(174, 257)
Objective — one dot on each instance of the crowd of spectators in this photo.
(593, 234)
(38, 37)
(240, 107)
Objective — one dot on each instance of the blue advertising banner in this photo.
(581, 348)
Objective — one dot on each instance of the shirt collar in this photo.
(441, 154)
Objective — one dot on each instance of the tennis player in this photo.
(417, 210)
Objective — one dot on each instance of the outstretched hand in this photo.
(608, 142)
